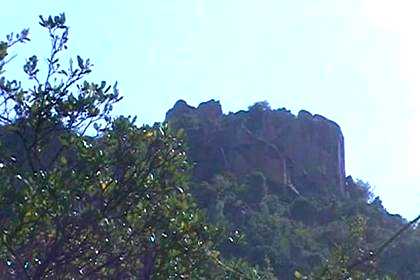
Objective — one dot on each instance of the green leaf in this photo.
(80, 62)
(3, 50)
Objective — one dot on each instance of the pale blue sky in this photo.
(353, 61)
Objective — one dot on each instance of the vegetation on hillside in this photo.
(323, 233)
(84, 195)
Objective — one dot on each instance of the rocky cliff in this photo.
(303, 152)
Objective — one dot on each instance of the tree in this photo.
(260, 106)
(114, 205)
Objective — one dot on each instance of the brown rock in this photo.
(306, 152)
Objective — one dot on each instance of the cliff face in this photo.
(303, 152)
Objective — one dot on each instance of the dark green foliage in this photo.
(111, 206)
(307, 235)
(304, 211)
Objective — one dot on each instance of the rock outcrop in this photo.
(305, 152)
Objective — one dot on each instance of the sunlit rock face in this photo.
(305, 152)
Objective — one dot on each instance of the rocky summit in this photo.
(303, 152)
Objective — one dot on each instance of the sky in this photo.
(356, 62)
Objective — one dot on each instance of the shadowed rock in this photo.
(305, 152)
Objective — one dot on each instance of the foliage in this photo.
(311, 236)
(112, 206)
(117, 204)
(260, 106)
(342, 255)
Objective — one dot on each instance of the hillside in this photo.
(280, 180)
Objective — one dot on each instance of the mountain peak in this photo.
(304, 151)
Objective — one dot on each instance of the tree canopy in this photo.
(87, 195)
